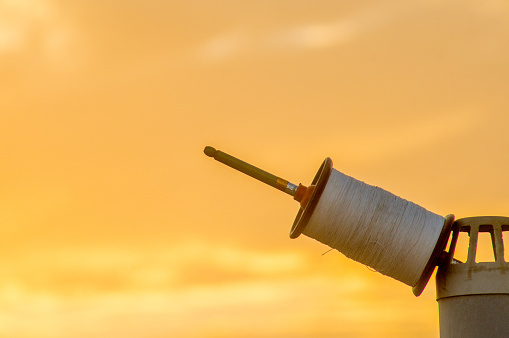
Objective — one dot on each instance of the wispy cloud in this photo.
(226, 310)
(397, 139)
(188, 263)
(29, 27)
(224, 46)
(319, 35)
(344, 30)
(302, 36)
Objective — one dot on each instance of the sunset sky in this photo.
(115, 224)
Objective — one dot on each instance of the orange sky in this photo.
(114, 223)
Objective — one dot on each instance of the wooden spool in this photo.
(432, 245)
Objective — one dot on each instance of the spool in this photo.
(435, 248)
(410, 264)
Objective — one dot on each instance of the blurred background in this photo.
(115, 224)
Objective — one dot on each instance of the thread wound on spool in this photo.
(374, 227)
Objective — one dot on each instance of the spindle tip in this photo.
(209, 151)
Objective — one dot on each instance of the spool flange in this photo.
(304, 214)
(435, 256)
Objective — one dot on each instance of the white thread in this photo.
(374, 227)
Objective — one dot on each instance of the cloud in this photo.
(222, 47)
(255, 262)
(302, 36)
(306, 306)
(228, 310)
(319, 35)
(77, 271)
(396, 139)
(36, 29)
(335, 33)
(316, 35)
